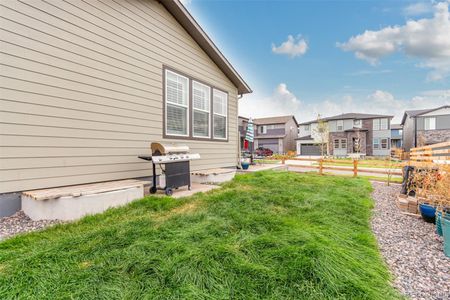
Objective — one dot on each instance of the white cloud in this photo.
(293, 46)
(419, 8)
(281, 102)
(284, 102)
(370, 72)
(425, 39)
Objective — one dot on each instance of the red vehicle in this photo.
(261, 151)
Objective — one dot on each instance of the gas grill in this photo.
(174, 163)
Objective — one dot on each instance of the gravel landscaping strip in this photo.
(410, 247)
(20, 222)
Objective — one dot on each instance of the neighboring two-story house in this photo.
(366, 134)
(426, 126)
(276, 133)
(396, 136)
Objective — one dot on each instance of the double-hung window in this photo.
(384, 144)
(220, 114)
(384, 124)
(376, 143)
(376, 124)
(177, 104)
(430, 123)
(340, 125)
(201, 100)
(343, 144)
(336, 144)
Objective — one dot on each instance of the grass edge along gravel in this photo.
(266, 235)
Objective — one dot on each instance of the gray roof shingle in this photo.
(274, 120)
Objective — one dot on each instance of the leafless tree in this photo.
(322, 132)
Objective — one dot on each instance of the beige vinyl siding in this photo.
(81, 91)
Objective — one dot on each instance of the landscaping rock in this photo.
(410, 247)
(19, 222)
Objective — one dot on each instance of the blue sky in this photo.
(330, 64)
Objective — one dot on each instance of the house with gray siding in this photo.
(426, 126)
(86, 86)
(350, 133)
(276, 133)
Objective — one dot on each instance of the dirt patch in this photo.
(85, 264)
(184, 209)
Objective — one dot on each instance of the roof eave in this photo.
(182, 15)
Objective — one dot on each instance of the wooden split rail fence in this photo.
(323, 164)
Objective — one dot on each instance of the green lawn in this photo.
(266, 235)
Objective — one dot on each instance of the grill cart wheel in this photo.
(153, 190)
(169, 192)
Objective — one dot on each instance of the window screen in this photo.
(177, 104)
(201, 99)
(220, 103)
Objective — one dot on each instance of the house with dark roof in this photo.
(350, 133)
(426, 126)
(276, 133)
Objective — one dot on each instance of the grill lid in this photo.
(166, 149)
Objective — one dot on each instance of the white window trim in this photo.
(337, 125)
(381, 143)
(342, 144)
(225, 115)
(208, 111)
(175, 104)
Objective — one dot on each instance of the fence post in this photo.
(321, 166)
(355, 167)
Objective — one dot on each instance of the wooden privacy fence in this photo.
(388, 170)
(436, 153)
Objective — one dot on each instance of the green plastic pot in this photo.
(446, 234)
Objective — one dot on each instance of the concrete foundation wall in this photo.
(9, 204)
(73, 208)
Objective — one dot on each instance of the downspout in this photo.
(239, 136)
(415, 132)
